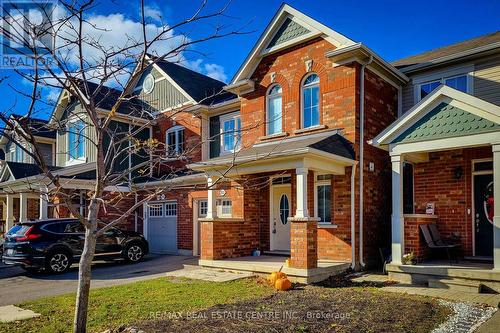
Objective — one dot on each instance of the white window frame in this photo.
(270, 97)
(202, 206)
(158, 207)
(441, 76)
(220, 207)
(18, 149)
(170, 208)
(302, 86)
(71, 160)
(318, 183)
(176, 129)
(237, 133)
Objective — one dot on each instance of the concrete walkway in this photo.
(11, 313)
(458, 296)
(206, 274)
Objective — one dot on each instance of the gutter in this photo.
(353, 217)
(361, 155)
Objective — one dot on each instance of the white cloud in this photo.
(215, 72)
(153, 13)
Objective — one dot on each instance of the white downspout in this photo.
(361, 155)
(353, 216)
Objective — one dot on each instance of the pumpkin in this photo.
(276, 276)
(283, 284)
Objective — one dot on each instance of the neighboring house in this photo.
(445, 152)
(289, 165)
(18, 163)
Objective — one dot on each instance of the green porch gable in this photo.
(289, 30)
(446, 121)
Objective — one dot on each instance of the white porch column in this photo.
(44, 200)
(9, 212)
(397, 209)
(301, 187)
(496, 207)
(23, 207)
(211, 198)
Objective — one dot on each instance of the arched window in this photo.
(310, 101)
(274, 110)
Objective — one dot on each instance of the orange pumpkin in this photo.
(283, 284)
(276, 276)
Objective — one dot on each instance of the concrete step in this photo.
(468, 286)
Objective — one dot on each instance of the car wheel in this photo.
(58, 262)
(134, 252)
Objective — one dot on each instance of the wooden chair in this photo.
(437, 244)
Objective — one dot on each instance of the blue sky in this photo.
(392, 28)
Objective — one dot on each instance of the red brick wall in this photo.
(435, 182)
(414, 240)
(337, 90)
(303, 241)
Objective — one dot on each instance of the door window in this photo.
(284, 209)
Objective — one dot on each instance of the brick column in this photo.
(304, 242)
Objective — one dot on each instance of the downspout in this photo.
(353, 217)
(361, 155)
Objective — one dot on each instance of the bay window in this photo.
(175, 140)
(274, 110)
(310, 101)
(76, 140)
(230, 132)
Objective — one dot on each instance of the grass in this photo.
(115, 306)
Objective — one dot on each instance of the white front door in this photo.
(281, 209)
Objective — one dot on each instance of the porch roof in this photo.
(328, 146)
(444, 119)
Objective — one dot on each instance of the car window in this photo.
(18, 230)
(57, 228)
(75, 227)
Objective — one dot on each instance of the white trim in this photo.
(445, 94)
(237, 144)
(301, 98)
(441, 77)
(175, 129)
(318, 183)
(253, 58)
(270, 97)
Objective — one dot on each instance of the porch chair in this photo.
(436, 243)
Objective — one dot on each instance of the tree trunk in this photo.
(84, 278)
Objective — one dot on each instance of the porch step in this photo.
(456, 285)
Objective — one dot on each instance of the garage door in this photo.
(162, 227)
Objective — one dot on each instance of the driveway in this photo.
(17, 286)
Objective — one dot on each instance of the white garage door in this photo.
(162, 227)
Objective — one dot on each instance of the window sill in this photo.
(273, 136)
(327, 226)
(309, 129)
(75, 161)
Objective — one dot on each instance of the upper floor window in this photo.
(230, 132)
(76, 140)
(310, 101)
(458, 82)
(274, 110)
(175, 140)
(19, 154)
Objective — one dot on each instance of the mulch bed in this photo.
(313, 309)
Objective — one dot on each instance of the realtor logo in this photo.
(27, 33)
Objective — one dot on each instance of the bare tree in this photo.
(66, 53)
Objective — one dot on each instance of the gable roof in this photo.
(474, 45)
(201, 88)
(452, 113)
(288, 27)
(20, 170)
(38, 126)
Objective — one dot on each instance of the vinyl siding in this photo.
(487, 80)
(164, 95)
(407, 97)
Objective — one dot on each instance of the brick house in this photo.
(289, 164)
(445, 161)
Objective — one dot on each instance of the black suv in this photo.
(55, 244)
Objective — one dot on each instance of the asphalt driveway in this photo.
(17, 286)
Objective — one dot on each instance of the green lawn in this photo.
(114, 306)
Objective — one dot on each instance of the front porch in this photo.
(445, 155)
(270, 194)
(266, 264)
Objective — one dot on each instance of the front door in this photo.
(280, 227)
(483, 211)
